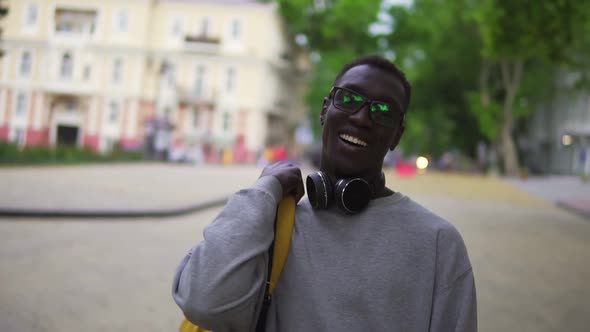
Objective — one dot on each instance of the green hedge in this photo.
(11, 154)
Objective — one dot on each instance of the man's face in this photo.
(352, 143)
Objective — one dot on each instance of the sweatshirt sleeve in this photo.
(219, 284)
(454, 307)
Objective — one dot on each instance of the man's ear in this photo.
(324, 110)
(397, 137)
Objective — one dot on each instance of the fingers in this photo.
(292, 181)
(276, 167)
(294, 185)
(289, 175)
(300, 191)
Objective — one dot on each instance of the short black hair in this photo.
(380, 62)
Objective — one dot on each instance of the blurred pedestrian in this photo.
(584, 163)
(362, 258)
(482, 153)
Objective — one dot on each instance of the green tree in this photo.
(3, 12)
(336, 32)
(438, 48)
(518, 38)
(479, 66)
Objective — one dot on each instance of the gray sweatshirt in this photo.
(394, 267)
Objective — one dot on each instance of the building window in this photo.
(25, 64)
(230, 82)
(195, 117)
(70, 106)
(226, 121)
(67, 66)
(236, 29)
(75, 21)
(121, 21)
(205, 26)
(200, 81)
(113, 112)
(171, 74)
(176, 27)
(117, 71)
(21, 105)
(32, 13)
(87, 72)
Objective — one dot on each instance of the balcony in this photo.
(201, 44)
(189, 97)
(68, 85)
(74, 24)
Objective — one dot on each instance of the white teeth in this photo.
(353, 140)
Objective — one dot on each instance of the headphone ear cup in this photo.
(353, 195)
(319, 190)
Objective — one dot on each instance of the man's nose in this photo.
(362, 117)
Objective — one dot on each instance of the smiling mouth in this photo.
(353, 140)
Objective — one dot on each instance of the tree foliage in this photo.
(438, 48)
(519, 41)
(517, 29)
(476, 66)
(332, 24)
(485, 64)
(336, 31)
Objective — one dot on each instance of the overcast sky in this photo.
(385, 20)
(398, 2)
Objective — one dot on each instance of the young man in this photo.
(385, 264)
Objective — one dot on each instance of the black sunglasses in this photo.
(350, 101)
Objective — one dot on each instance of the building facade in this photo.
(100, 73)
(557, 140)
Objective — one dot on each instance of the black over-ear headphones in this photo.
(351, 195)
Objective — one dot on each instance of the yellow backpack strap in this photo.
(187, 326)
(284, 229)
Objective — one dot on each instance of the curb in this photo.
(120, 214)
(569, 207)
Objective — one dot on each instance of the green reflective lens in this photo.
(351, 102)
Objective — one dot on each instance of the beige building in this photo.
(102, 72)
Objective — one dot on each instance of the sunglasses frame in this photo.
(367, 101)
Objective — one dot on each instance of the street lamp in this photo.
(421, 163)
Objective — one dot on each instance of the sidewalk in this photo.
(112, 190)
(568, 192)
(161, 189)
(529, 256)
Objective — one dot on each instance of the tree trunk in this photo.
(509, 153)
(484, 77)
(511, 78)
(485, 99)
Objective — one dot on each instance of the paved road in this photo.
(530, 257)
(569, 192)
(119, 186)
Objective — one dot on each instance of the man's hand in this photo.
(289, 175)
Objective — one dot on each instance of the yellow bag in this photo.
(187, 326)
(284, 228)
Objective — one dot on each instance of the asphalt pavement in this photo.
(530, 256)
